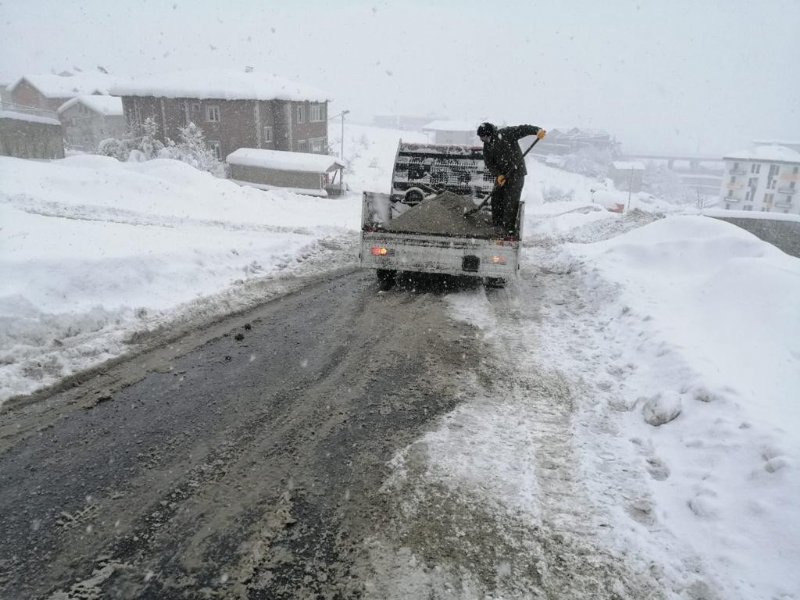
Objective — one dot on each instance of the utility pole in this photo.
(341, 173)
(344, 112)
(630, 186)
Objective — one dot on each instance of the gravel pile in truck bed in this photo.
(444, 215)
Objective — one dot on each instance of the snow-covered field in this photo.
(652, 364)
(94, 250)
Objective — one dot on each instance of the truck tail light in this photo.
(499, 260)
(380, 251)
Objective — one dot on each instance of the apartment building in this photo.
(765, 179)
(233, 109)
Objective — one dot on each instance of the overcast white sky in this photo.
(700, 76)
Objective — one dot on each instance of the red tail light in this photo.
(379, 251)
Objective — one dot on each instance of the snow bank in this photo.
(679, 341)
(704, 318)
(94, 249)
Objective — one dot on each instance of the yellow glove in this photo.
(501, 180)
(541, 133)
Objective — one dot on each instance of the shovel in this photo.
(472, 211)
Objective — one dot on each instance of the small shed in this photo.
(88, 120)
(627, 176)
(299, 172)
(30, 133)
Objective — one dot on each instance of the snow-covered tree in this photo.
(142, 143)
(193, 149)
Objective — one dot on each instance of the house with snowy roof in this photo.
(298, 172)
(88, 120)
(627, 175)
(233, 109)
(570, 141)
(30, 133)
(51, 91)
(762, 179)
(462, 133)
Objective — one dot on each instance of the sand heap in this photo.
(444, 215)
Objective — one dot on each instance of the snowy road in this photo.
(254, 460)
(244, 467)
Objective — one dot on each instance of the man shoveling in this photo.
(506, 163)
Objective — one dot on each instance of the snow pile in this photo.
(705, 318)
(94, 249)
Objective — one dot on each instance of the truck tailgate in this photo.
(437, 254)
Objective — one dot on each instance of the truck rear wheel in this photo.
(386, 279)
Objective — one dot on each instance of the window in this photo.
(301, 114)
(730, 193)
(755, 169)
(317, 144)
(748, 207)
(216, 149)
(195, 107)
(212, 114)
(733, 178)
(773, 170)
(768, 198)
(753, 182)
(267, 134)
(302, 145)
(316, 112)
(795, 170)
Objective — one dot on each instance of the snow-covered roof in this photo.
(62, 86)
(766, 153)
(628, 165)
(450, 126)
(105, 105)
(283, 161)
(25, 116)
(223, 85)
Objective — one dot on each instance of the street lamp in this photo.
(344, 112)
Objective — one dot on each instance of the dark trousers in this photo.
(505, 204)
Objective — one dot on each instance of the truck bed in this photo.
(444, 215)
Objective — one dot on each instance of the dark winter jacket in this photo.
(502, 153)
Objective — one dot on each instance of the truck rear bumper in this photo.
(435, 254)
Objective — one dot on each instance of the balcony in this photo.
(737, 171)
(785, 189)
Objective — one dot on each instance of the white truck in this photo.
(423, 224)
